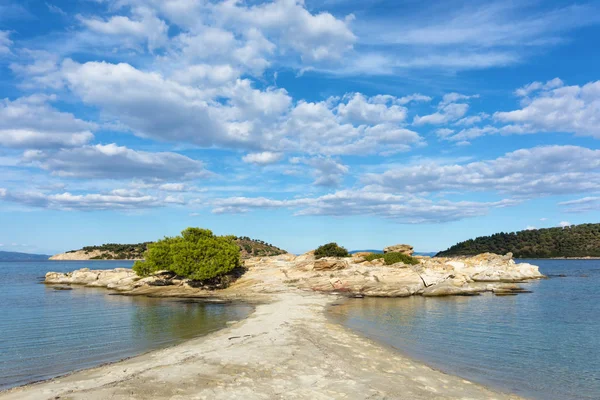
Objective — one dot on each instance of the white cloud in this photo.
(235, 115)
(401, 208)
(362, 110)
(84, 202)
(56, 9)
(527, 172)
(116, 162)
(317, 128)
(172, 187)
(448, 110)
(470, 35)
(536, 86)
(5, 42)
(472, 120)
(30, 122)
(259, 28)
(264, 158)
(143, 27)
(530, 228)
(316, 37)
(564, 224)
(585, 204)
(327, 172)
(557, 108)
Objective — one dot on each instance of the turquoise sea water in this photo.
(541, 345)
(45, 332)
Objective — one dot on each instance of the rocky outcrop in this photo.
(400, 248)
(110, 278)
(351, 275)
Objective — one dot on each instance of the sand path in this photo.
(287, 349)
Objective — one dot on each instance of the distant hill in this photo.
(573, 241)
(13, 256)
(113, 251)
(256, 248)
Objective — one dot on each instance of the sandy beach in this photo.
(286, 349)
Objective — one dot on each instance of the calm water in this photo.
(542, 345)
(46, 333)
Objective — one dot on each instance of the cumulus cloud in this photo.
(144, 26)
(401, 208)
(564, 224)
(236, 115)
(552, 107)
(538, 171)
(318, 128)
(359, 109)
(115, 162)
(448, 110)
(327, 172)
(263, 158)
(316, 37)
(30, 122)
(536, 86)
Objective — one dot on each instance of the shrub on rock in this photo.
(393, 258)
(197, 254)
(331, 250)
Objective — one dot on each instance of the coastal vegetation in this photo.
(331, 250)
(393, 258)
(114, 251)
(197, 254)
(572, 241)
(256, 248)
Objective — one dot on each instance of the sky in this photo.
(367, 123)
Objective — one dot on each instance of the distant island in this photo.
(114, 251)
(575, 241)
(14, 256)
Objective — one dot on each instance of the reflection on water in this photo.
(45, 332)
(544, 345)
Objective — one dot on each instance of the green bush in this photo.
(196, 254)
(393, 258)
(331, 250)
(373, 256)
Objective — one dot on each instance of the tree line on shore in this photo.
(571, 241)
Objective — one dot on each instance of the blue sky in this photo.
(365, 122)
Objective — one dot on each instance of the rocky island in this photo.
(352, 276)
(288, 348)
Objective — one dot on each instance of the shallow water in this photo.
(45, 332)
(542, 345)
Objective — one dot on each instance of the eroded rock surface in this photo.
(351, 275)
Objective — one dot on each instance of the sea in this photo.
(541, 345)
(46, 333)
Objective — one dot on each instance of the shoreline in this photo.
(286, 347)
